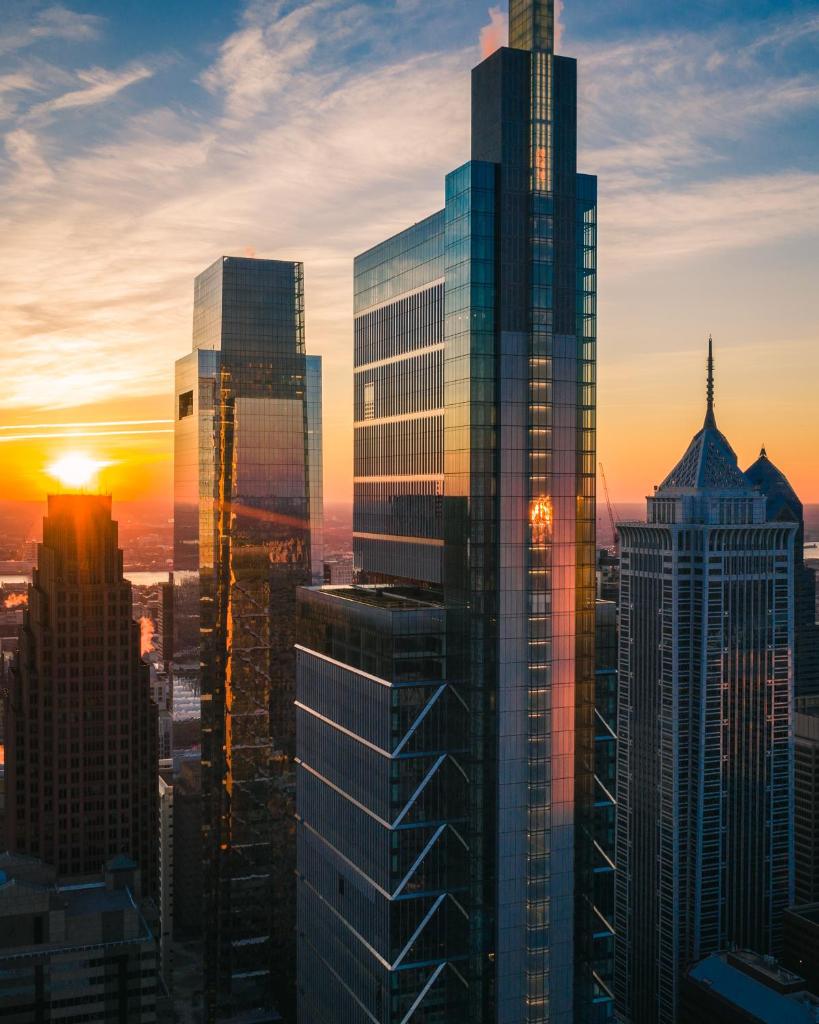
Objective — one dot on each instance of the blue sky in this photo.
(140, 140)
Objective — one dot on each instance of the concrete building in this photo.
(74, 951)
(81, 740)
(745, 988)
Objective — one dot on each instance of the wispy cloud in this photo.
(55, 22)
(301, 149)
(100, 85)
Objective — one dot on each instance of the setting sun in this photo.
(76, 470)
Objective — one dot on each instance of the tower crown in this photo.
(710, 462)
(532, 25)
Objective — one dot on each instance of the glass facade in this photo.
(475, 339)
(249, 461)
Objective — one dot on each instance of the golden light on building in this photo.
(541, 515)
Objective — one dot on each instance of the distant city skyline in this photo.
(136, 150)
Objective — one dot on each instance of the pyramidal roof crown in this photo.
(710, 462)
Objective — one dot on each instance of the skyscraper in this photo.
(705, 760)
(248, 479)
(81, 754)
(445, 715)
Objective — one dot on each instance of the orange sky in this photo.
(115, 194)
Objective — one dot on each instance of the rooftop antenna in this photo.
(710, 420)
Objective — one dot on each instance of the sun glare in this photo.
(76, 470)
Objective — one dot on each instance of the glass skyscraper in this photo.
(248, 491)
(445, 734)
(704, 847)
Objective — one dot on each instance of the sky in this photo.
(142, 139)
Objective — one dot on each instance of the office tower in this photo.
(75, 951)
(705, 760)
(745, 988)
(784, 506)
(806, 801)
(445, 712)
(165, 900)
(247, 439)
(82, 728)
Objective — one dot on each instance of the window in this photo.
(185, 405)
(369, 401)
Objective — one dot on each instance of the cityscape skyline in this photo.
(676, 235)
(382, 655)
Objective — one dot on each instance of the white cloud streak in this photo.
(101, 85)
(55, 22)
(311, 156)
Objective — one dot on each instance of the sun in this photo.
(76, 469)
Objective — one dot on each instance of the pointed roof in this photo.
(710, 462)
(783, 501)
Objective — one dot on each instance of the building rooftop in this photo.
(760, 986)
(388, 598)
(783, 502)
(709, 463)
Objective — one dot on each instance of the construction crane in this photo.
(615, 532)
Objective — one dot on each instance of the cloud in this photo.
(24, 150)
(654, 225)
(101, 85)
(496, 33)
(312, 141)
(56, 22)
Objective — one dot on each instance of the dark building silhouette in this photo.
(187, 838)
(704, 846)
(81, 753)
(801, 943)
(784, 506)
(445, 711)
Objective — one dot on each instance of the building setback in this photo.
(81, 737)
(704, 847)
(247, 490)
(445, 713)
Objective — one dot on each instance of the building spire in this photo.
(710, 419)
(532, 25)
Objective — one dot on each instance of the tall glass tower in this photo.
(445, 735)
(248, 491)
(704, 846)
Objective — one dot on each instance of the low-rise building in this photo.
(745, 988)
(77, 951)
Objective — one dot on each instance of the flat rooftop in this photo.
(386, 597)
(766, 991)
